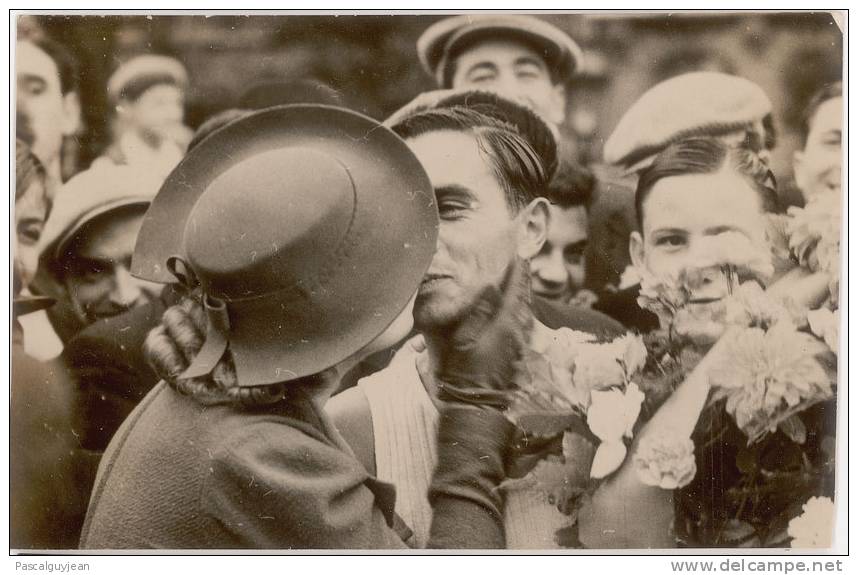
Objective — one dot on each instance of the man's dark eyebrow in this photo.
(669, 231)
(33, 78)
(530, 60)
(482, 65)
(454, 190)
(713, 231)
(579, 244)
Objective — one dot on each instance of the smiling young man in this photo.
(485, 157)
(559, 270)
(86, 247)
(521, 57)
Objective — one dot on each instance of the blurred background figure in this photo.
(47, 102)
(147, 95)
(520, 57)
(559, 270)
(85, 251)
(48, 480)
(817, 165)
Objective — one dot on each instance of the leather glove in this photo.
(480, 355)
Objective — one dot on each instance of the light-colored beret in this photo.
(688, 105)
(90, 194)
(137, 75)
(438, 45)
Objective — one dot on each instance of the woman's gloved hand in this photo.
(480, 356)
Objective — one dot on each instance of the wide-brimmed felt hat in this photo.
(439, 45)
(696, 104)
(536, 131)
(308, 228)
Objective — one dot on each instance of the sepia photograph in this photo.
(484, 282)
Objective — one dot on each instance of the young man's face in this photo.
(558, 270)
(96, 273)
(48, 114)
(681, 211)
(513, 69)
(477, 238)
(818, 166)
(156, 111)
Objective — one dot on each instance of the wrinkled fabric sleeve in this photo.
(466, 502)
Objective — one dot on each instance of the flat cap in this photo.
(541, 135)
(139, 74)
(688, 105)
(90, 194)
(438, 46)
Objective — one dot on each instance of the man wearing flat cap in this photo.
(86, 246)
(696, 104)
(521, 57)
(147, 96)
(528, 60)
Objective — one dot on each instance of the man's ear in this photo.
(71, 113)
(636, 249)
(533, 223)
(558, 104)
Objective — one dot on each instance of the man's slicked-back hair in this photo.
(708, 156)
(516, 166)
(571, 186)
(67, 65)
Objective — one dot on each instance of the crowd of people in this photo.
(299, 327)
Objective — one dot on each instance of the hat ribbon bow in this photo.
(216, 339)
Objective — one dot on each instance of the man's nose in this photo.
(551, 270)
(126, 288)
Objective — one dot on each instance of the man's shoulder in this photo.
(555, 315)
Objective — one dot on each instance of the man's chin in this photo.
(437, 312)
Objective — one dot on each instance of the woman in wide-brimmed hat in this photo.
(305, 230)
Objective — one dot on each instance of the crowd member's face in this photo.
(31, 211)
(681, 211)
(558, 270)
(96, 275)
(478, 236)
(48, 114)
(156, 111)
(511, 69)
(818, 166)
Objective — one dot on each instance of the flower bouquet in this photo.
(762, 444)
